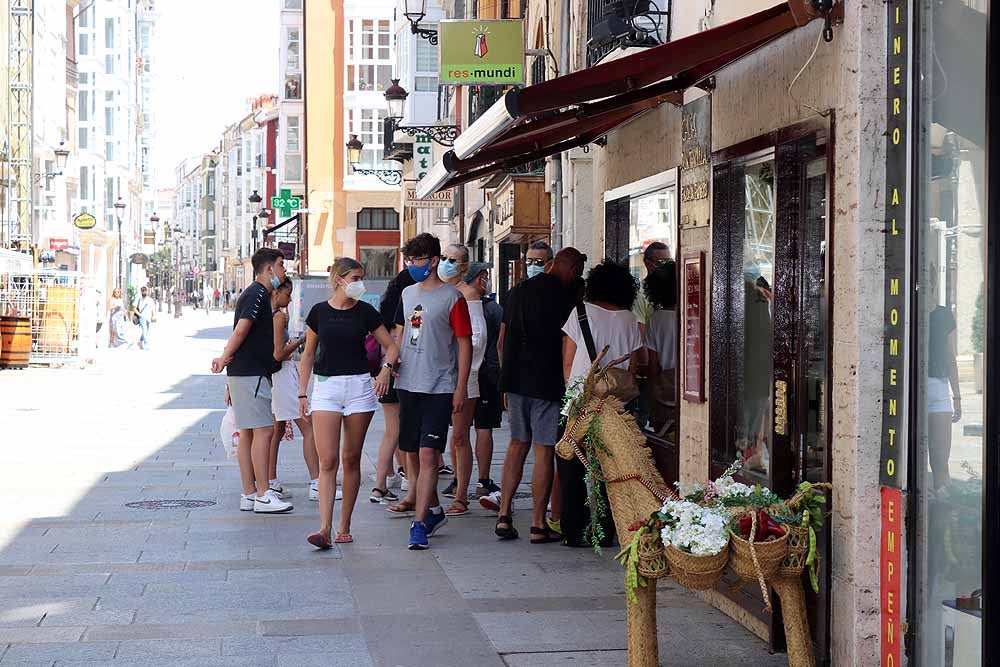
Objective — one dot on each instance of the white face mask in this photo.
(355, 290)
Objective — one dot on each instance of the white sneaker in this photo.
(339, 495)
(313, 493)
(271, 504)
(281, 492)
(246, 502)
(393, 481)
(491, 501)
(404, 484)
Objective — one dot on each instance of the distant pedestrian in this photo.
(344, 397)
(145, 308)
(229, 297)
(532, 377)
(284, 392)
(217, 299)
(436, 355)
(249, 358)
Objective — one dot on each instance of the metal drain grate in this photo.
(169, 504)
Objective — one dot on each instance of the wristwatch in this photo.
(387, 365)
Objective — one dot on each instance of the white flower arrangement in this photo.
(727, 487)
(702, 531)
(690, 490)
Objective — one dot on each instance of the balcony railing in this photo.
(616, 23)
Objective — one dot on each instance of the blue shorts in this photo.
(533, 420)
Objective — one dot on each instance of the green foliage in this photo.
(629, 559)
(760, 498)
(130, 297)
(979, 324)
(595, 480)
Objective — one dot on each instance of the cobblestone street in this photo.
(86, 579)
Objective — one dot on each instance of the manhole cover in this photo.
(169, 504)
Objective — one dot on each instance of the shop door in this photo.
(769, 346)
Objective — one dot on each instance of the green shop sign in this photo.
(490, 52)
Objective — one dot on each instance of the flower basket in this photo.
(652, 557)
(769, 554)
(798, 550)
(698, 573)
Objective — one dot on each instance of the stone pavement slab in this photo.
(86, 580)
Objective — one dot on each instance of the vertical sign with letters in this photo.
(894, 353)
(696, 168)
(694, 327)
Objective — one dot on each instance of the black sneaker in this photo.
(485, 488)
(446, 471)
(449, 491)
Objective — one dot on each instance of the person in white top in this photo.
(453, 267)
(610, 294)
(660, 288)
(144, 309)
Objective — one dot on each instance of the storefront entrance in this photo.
(770, 370)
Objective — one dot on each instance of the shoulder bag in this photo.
(621, 383)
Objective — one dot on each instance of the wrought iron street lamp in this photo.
(154, 220)
(395, 97)
(415, 12)
(119, 210)
(62, 155)
(255, 199)
(387, 176)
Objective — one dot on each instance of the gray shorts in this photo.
(251, 397)
(533, 420)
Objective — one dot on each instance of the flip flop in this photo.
(458, 507)
(401, 509)
(320, 541)
(343, 538)
(549, 535)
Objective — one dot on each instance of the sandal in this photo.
(458, 507)
(401, 509)
(319, 540)
(343, 538)
(508, 533)
(549, 535)
(379, 495)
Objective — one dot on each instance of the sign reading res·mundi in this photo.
(490, 52)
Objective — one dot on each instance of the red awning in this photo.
(573, 110)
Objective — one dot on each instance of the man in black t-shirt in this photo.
(530, 349)
(249, 357)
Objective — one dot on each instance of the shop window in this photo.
(378, 219)
(379, 263)
(948, 395)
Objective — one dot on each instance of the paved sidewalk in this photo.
(87, 580)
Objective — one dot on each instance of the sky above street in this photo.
(211, 57)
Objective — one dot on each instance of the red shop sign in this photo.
(694, 327)
(58, 244)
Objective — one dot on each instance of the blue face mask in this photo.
(275, 282)
(534, 270)
(447, 270)
(419, 273)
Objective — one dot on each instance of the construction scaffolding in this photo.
(17, 216)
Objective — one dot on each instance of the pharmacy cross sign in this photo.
(285, 203)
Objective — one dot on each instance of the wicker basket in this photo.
(770, 554)
(698, 573)
(798, 549)
(652, 557)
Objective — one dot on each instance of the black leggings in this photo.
(575, 513)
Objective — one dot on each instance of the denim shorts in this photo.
(533, 420)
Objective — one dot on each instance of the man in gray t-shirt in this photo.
(434, 363)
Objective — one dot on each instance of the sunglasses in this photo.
(538, 261)
(450, 260)
(660, 262)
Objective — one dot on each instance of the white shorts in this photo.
(938, 395)
(346, 394)
(285, 392)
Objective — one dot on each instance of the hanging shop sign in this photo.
(696, 168)
(285, 203)
(440, 199)
(894, 355)
(287, 250)
(84, 221)
(423, 154)
(58, 244)
(490, 52)
(694, 327)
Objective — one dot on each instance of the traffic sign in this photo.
(286, 203)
